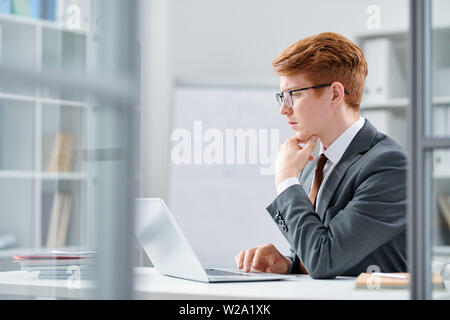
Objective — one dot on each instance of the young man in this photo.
(347, 210)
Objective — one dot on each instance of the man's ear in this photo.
(338, 92)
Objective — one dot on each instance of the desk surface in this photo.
(151, 285)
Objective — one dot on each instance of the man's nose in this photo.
(284, 109)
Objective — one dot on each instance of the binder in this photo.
(35, 9)
(21, 7)
(385, 79)
(369, 281)
(5, 6)
(48, 10)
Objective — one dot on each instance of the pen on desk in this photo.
(390, 275)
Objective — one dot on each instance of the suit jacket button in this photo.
(284, 227)
(278, 213)
(282, 224)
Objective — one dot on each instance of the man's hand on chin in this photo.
(292, 158)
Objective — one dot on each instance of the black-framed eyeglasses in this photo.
(286, 96)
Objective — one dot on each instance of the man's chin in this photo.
(301, 138)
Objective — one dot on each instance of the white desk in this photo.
(150, 285)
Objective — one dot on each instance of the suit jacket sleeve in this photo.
(375, 215)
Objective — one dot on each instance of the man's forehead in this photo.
(292, 82)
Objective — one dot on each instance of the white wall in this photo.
(235, 41)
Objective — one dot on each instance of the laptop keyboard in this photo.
(215, 272)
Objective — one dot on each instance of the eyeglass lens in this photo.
(286, 97)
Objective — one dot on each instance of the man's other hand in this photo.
(263, 259)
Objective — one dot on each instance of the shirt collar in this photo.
(337, 149)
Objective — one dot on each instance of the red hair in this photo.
(326, 58)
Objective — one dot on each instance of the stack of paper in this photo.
(59, 264)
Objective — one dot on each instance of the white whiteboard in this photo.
(221, 207)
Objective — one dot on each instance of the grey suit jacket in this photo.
(361, 218)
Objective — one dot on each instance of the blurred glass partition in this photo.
(68, 144)
(438, 132)
(429, 144)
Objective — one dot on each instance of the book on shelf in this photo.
(62, 153)
(59, 220)
(21, 7)
(53, 221)
(444, 205)
(48, 10)
(35, 9)
(5, 6)
(64, 221)
(72, 13)
(38, 9)
(47, 205)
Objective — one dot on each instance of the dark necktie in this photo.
(318, 178)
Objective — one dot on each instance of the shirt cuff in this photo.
(291, 265)
(286, 184)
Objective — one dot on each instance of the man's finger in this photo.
(294, 141)
(248, 259)
(311, 144)
(260, 262)
(240, 259)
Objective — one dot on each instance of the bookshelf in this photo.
(388, 110)
(31, 119)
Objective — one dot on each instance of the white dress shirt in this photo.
(334, 154)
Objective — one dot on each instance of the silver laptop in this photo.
(170, 251)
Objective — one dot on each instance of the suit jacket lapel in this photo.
(361, 143)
